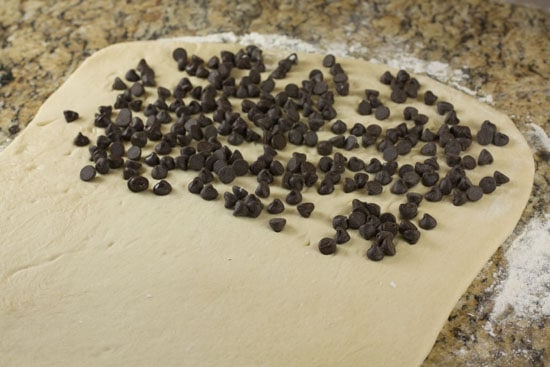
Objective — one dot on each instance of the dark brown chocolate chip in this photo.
(118, 84)
(356, 219)
(486, 133)
(427, 222)
(162, 188)
(294, 197)
(500, 178)
(229, 200)
(375, 252)
(324, 147)
(364, 108)
(328, 60)
(87, 173)
(102, 165)
(208, 192)
(444, 107)
(138, 183)
(468, 162)
(241, 209)
(488, 184)
(429, 98)
(434, 194)
(277, 224)
(134, 153)
(411, 236)
(381, 112)
(500, 139)
(195, 186)
(349, 185)
(339, 127)
(70, 115)
(459, 197)
(275, 207)
(408, 210)
(262, 190)
(81, 140)
(390, 153)
(414, 197)
(485, 157)
(386, 78)
(226, 174)
(474, 193)
(305, 209)
(399, 187)
(429, 149)
(373, 187)
(430, 178)
(398, 96)
(327, 246)
(341, 236)
(385, 241)
(360, 179)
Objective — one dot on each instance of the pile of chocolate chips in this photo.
(197, 128)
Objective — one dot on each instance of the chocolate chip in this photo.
(500, 178)
(349, 185)
(486, 133)
(398, 96)
(434, 194)
(134, 153)
(326, 187)
(341, 236)
(474, 193)
(429, 98)
(381, 112)
(408, 210)
(277, 224)
(262, 190)
(427, 222)
(364, 108)
(208, 192)
(159, 172)
(195, 186)
(275, 207)
(162, 188)
(385, 241)
(324, 147)
(399, 187)
(294, 197)
(229, 200)
(485, 157)
(373, 187)
(329, 60)
(87, 173)
(411, 236)
(360, 179)
(327, 246)
(81, 140)
(500, 139)
(226, 174)
(488, 184)
(386, 78)
(459, 197)
(413, 197)
(375, 252)
(429, 149)
(138, 183)
(444, 107)
(390, 153)
(339, 127)
(70, 115)
(468, 162)
(430, 178)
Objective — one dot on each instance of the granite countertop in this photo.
(502, 52)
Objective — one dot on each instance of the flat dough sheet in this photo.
(92, 274)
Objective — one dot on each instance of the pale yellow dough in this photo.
(94, 275)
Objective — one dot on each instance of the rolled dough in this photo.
(92, 274)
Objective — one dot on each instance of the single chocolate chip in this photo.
(429, 98)
(386, 78)
(326, 187)
(360, 179)
(340, 221)
(229, 200)
(399, 187)
(384, 177)
(452, 118)
(275, 207)
(138, 183)
(339, 127)
(349, 185)
(408, 210)
(429, 149)
(486, 133)
(468, 162)
(474, 193)
(390, 153)
(162, 188)
(277, 224)
(356, 219)
(294, 197)
(305, 209)
(444, 107)
(398, 96)
(195, 186)
(324, 147)
(327, 246)
(485, 157)
(208, 192)
(488, 184)
(386, 244)
(102, 165)
(500, 178)
(381, 112)
(411, 236)
(226, 174)
(341, 236)
(328, 60)
(430, 178)
(373, 187)
(427, 222)
(434, 194)
(414, 197)
(70, 115)
(87, 173)
(500, 139)
(81, 140)
(134, 153)
(262, 190)
(375, 252)
(364, 108)
(459, 197)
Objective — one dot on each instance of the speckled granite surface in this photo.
(503, 50)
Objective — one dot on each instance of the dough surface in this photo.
(92, 274)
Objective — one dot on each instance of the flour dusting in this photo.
(527, 286)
